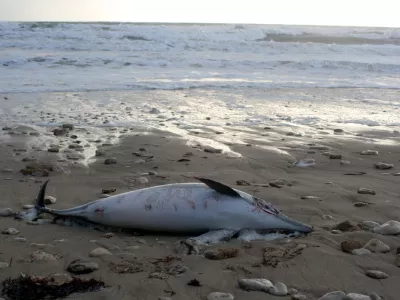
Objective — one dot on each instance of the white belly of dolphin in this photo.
(176, 207)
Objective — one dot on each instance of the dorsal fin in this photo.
(219, 187)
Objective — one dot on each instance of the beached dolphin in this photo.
(207, 207)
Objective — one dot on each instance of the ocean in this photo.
(187, 78)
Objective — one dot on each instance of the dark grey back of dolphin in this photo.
(40, 197)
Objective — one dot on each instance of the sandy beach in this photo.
(266, 155)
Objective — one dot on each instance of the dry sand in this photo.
(321, 267)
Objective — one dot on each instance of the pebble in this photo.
(278, 183)
(68, 126)
(305, 162)
(377, 246)
(347, 226)
(335, 231)
(20, 239)
(53, 150)
(41, 246)
(212, 150)
(369, 152)
(336, 295)
(383, 166)
(221, 253)
(366, 191)
(349, 245)
(299, 297)
(309, 198)
(7, 170)
(42, 256)
(361, 251)
(345, 162)
(220, 296)
(370, 224)
(152, 173)
(140, 161)
(335, 156)
(243, 182)
(178, 269)
(10, 231)
(279, 289)
(338, 130)
(376, 274)
(80, 266)
(6, 212)
(49, 200)
(142, 180)
(389, 228)
(354, 296)
(28, 206)
(375, 296)
(361, 204)
(99, 153)
(157, 275)
(110, 161)
(99, 252)
(327, 217)
(256, 284)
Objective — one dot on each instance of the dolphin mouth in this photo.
(294, 225)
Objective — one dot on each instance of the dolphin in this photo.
(209, 207)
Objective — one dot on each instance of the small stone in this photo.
(42, 256)
(140, 161)
(108, 235)
(3, 265)
(345, 162)
(327, 217)
(347, 226)
(82, 267)
(99, 252)
(375, 296)
(99, 153)
(366, 191)
(338, 130)
(20, 239)
(40, 246)
(68, 126)
(108, 191)
(256, 284)
(154, 111)
(49, 200)
(7, 170)
(389, 228)
(354, 296)
(157, 275)
(309, 198)
(335, 156)
(110, 161)
(221, 253)
(337, 295)
(376, 274)
(369, 152)
(60, 131)
(6, 212)
(53, 150)
(178, 269)
(360, 204)
(243, 182)
(383, 166)
(361, 251)
(220, 296)
(370, 224)
(142, 180)
(299, 297)
(308, 162)
(28, 206)
(377, 246)
(335, 231)
(210, 149)
(279, 289)
(349, 245)
(278, 183)
(10, 231)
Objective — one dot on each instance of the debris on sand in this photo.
(37, 287)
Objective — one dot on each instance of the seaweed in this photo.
(37, 288)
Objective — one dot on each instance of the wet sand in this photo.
(320, 268)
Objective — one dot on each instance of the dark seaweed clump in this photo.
(34, 288)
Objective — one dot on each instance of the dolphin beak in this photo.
(288, 223)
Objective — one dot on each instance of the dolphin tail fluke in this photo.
(40, 197)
